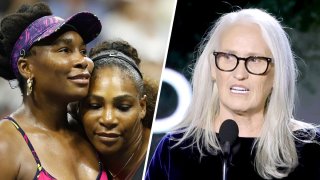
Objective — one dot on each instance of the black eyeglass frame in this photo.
(217, 53)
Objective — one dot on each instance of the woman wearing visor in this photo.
(47, 56)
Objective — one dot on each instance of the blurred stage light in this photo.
(183, 89)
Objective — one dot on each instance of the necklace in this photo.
(117, 174)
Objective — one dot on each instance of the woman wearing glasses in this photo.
(250, 76)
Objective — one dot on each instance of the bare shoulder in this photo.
(9, 146)
(8, 135)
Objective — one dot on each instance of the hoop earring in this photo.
(29, 86)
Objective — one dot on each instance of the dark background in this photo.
(192, 20)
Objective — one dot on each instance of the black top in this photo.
(183, 162)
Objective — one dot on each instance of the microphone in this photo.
(228, 134)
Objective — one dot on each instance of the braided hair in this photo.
(11, 27)
(147, 86)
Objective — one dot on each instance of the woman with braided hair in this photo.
(47, 56)
(118, 111)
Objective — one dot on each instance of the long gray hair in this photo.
(275, 148)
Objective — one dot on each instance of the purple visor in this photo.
(87, 25)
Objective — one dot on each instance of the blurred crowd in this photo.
(146, 24)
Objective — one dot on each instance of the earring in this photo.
(29, 86)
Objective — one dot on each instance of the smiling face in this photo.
(239, 91)
(61, 68)
(112, 112)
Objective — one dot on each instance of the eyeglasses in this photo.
(257, 65)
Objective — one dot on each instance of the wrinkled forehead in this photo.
(246, 38)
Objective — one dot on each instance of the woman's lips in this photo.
(82, 79)
(108, 136)
(239, 89)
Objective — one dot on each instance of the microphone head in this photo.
(228, 132)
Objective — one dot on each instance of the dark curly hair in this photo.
(150, 87)
(11, 27)
(151, 90)
(119, 45)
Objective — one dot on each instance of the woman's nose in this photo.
(81, 63)
(108, 119)
(240, 72)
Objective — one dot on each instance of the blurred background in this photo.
(191, 22)
(145, 24)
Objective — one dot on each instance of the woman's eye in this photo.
(254, 60)
(84, 52)
(227, 56)
(124, 107)
(94, 106)
(64, 50)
